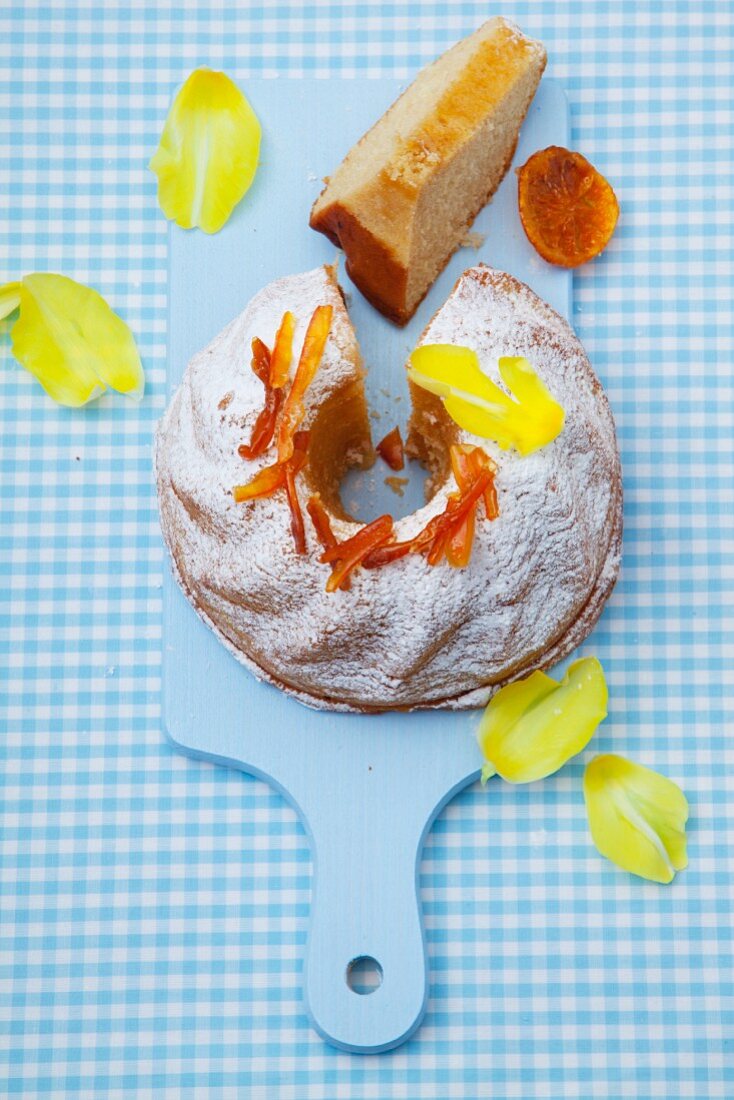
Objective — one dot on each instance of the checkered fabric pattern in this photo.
(154, 909)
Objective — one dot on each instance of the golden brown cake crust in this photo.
(408, 635)
(370, 263)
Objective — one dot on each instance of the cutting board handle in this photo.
(365, 906)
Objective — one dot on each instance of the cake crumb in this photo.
(473, 240)
(397, 484)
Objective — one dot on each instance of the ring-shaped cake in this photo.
(410, 634)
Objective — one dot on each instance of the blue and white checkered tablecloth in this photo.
(153, 908)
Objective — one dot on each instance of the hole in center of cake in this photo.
(343, 467)
(367, 494)
(355, 482)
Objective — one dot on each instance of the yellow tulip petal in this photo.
(532, 727)
(526, 419)
(208, 152)
(9, 299)
(543, 417)
(450, 368)
(70, 339)
(475, 420)
(637, 817)
(521, 379)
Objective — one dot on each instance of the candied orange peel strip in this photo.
(466, 463)
(263, 484)
(347, 555)
(458, 548)
(264, 427)
(567, 208)
(390, 449)
(322, 526)
(451, 521)
(271, 478)
(273, 371)
(431, 541)
(321, 522)
(311, 353)
(451, 532)
(297, 529)
(260, 362)
(280, 361)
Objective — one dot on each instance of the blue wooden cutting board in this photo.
(367, 788)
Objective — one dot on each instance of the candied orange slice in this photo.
(567, 208)
(390, 449)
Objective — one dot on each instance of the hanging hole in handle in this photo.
(364, 975)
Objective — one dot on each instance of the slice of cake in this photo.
(401, 201)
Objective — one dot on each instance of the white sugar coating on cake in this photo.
(408, 634)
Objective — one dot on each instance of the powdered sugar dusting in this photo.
(408, 634)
